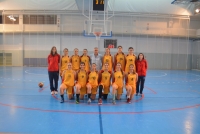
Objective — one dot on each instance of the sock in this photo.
(105, 96)
(100, 91)
(89, 96)
(77, 96)
(128, 96)
(113, 96)
(62, 97)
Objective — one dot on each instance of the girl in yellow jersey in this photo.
(130, 59)
(119, 58)
(104, 82)
(118, 82)
(75, 60)
(64, 61)
(81, 81)
(131, 78)
(107, 58)
(86, 59)
(68, 78)
(92, 83)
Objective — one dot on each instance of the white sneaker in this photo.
(56, 92)
(89, 101)
(52, 92)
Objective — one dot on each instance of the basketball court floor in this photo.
(170, 104)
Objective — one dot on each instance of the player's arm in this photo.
(63, 75)
(115, 61)
(126, 79)
(113, 78)
(102, 61)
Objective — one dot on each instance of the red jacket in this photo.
(53, 62)
(141, 67)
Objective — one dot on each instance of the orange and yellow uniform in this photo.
(68, 80)
(119, 81)
(93, 81)
(120, 58)
(130, 59)
(86, 60)
(82, 80)
(75, 60)
(107, 59)
(64, 61)
(131, 80)
(105, 81)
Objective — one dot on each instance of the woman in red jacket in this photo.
(53, 70)
(141, 67)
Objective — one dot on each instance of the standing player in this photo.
(118, 82)
(141, 66)
(107, 58)
(131, 78)
(119, 57)
(104, 82)
(92, 83)
(64, 61)
(68, 78)
(81, 81)
(53, 70)
(86, 59)
(130, 59)
(75, 60)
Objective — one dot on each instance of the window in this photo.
(39, 19)
(10, 19)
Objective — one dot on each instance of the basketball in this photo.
(41, 84)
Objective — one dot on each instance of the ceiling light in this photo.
(197, 10)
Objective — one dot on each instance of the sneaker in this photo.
(128, 100)
(100, 101)
(89, 101)
(141, 95)
(113, 102)
(136, 94)
(56, 92)
(77, 101)
(52, 92)
(62, 101)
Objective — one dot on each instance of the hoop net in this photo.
(98, 35)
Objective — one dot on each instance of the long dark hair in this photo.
(51, 52)
(139, 55)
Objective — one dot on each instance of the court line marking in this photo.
(100, 120)
(165, 74)
(26, 71)
(116, 113)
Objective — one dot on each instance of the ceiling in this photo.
(141, 6)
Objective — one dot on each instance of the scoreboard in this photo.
(98, 5)
(110, 43)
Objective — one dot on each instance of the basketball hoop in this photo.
(98, 35)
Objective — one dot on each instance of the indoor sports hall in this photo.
(166, 32)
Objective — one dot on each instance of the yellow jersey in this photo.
(120, 58)
(105, 78)
(64, 61)
(130, 59)
(75, 59)
(86, 60)
(69, 78)
(82, 78)
(119, 78)
(131, 80)
(93, 78)
(107, 59)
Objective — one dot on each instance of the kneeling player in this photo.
(131, 79)
(104, 82)
(81, 80)
(92, 84)
(68, 78)
(118, 82)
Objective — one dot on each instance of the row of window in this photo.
(29, 19)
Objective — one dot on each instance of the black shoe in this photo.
(62, 101)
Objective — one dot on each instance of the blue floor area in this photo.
(170, 105)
